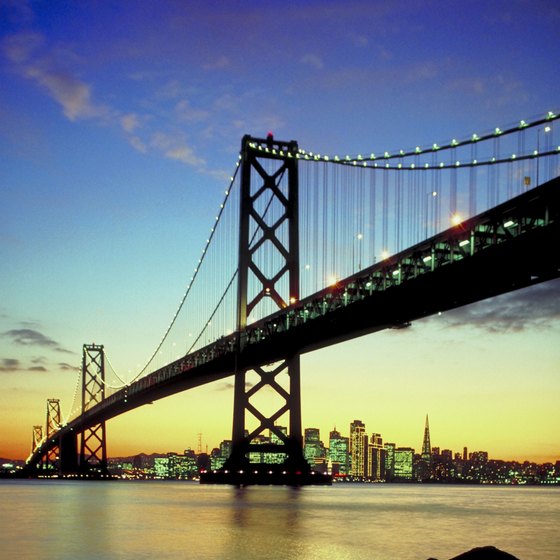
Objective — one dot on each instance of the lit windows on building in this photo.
(358, 449)
(338, 454)
(376, 458)
(313, 448)
(403, 463)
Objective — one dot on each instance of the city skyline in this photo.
(203, 446)
(117, 149)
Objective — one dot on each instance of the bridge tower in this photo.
(268, 233)
(93, 444)
(37, 437)
(52, 457)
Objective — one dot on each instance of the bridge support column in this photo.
(51, 460)
(93, 443)
(268, 280)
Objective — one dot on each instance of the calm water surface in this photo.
(137, 520)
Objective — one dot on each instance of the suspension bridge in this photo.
(308, 250)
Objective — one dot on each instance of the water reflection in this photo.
(170, 520)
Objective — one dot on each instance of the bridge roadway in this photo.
(512, 246)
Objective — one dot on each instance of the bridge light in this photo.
(293, 300)
(547, 129)
(384, 254)
(456, 219)
(427, 259)
(464, 242)
(509, 223)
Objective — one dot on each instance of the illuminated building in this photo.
(358, 449)
(376, 458)
(218, 457)
(313, 448)
(403, 463)
(426, 447)
(389, 460)
(338, 453)
(161, 467)
(258, 456)
(276, 458)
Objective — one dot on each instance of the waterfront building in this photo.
(338, 453)
(403, 463)
(313, 448)
(161, 467)
(358, 449)
(389, 460)
(376, 458)
(219, 455)
(426, 447)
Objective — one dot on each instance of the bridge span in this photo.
(512, 246)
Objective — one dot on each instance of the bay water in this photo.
(61, 519)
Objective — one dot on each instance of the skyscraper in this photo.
(376, 458)
(403, 463)
(338, 453)
(389, 460)
(358, 449)
(313, 448)
(426, 446)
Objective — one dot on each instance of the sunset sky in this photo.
(120, 124)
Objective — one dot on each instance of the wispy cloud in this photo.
(174, 146)
(31, 337)
(9, 365)
(229, 386)
(531, 308)
(26, 52)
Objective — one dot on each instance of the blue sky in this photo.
(120, 124)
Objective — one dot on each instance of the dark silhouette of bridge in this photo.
(508, 246)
